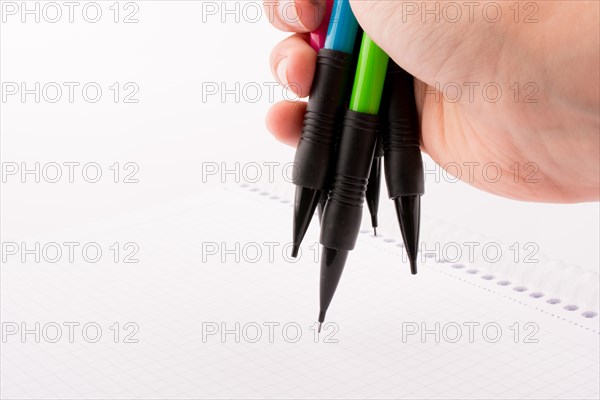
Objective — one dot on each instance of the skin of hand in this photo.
(508, 96)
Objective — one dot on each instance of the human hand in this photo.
(510, 104)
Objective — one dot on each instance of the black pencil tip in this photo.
(332, 266)
(295, 250)
(305, 203)
(321, 318)
(408, 209)
(320, 326)
(374, 220)
(373, 189)
(413, 266)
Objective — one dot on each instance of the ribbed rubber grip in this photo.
(343, 212)
(403, 163)
(315, 155)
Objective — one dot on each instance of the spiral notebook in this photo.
(217, 309)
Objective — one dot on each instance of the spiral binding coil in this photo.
(551, 281)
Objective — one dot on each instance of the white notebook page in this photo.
(188, 283)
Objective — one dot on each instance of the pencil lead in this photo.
(320, 325)
(375, 231)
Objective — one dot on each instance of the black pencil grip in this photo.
(331, 85)
(403, 163)
(343, 212)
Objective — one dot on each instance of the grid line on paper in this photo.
(178, 294)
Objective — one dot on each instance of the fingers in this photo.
(284, 121)
(295, 15)
(431, 44)
(293, 64)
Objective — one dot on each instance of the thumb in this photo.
(437, 42)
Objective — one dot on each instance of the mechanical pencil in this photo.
(315, 154)
(403, 162)
(343, 212)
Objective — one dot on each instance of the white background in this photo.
(172, 53)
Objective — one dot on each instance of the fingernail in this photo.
(289, 13)
(282, 71)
